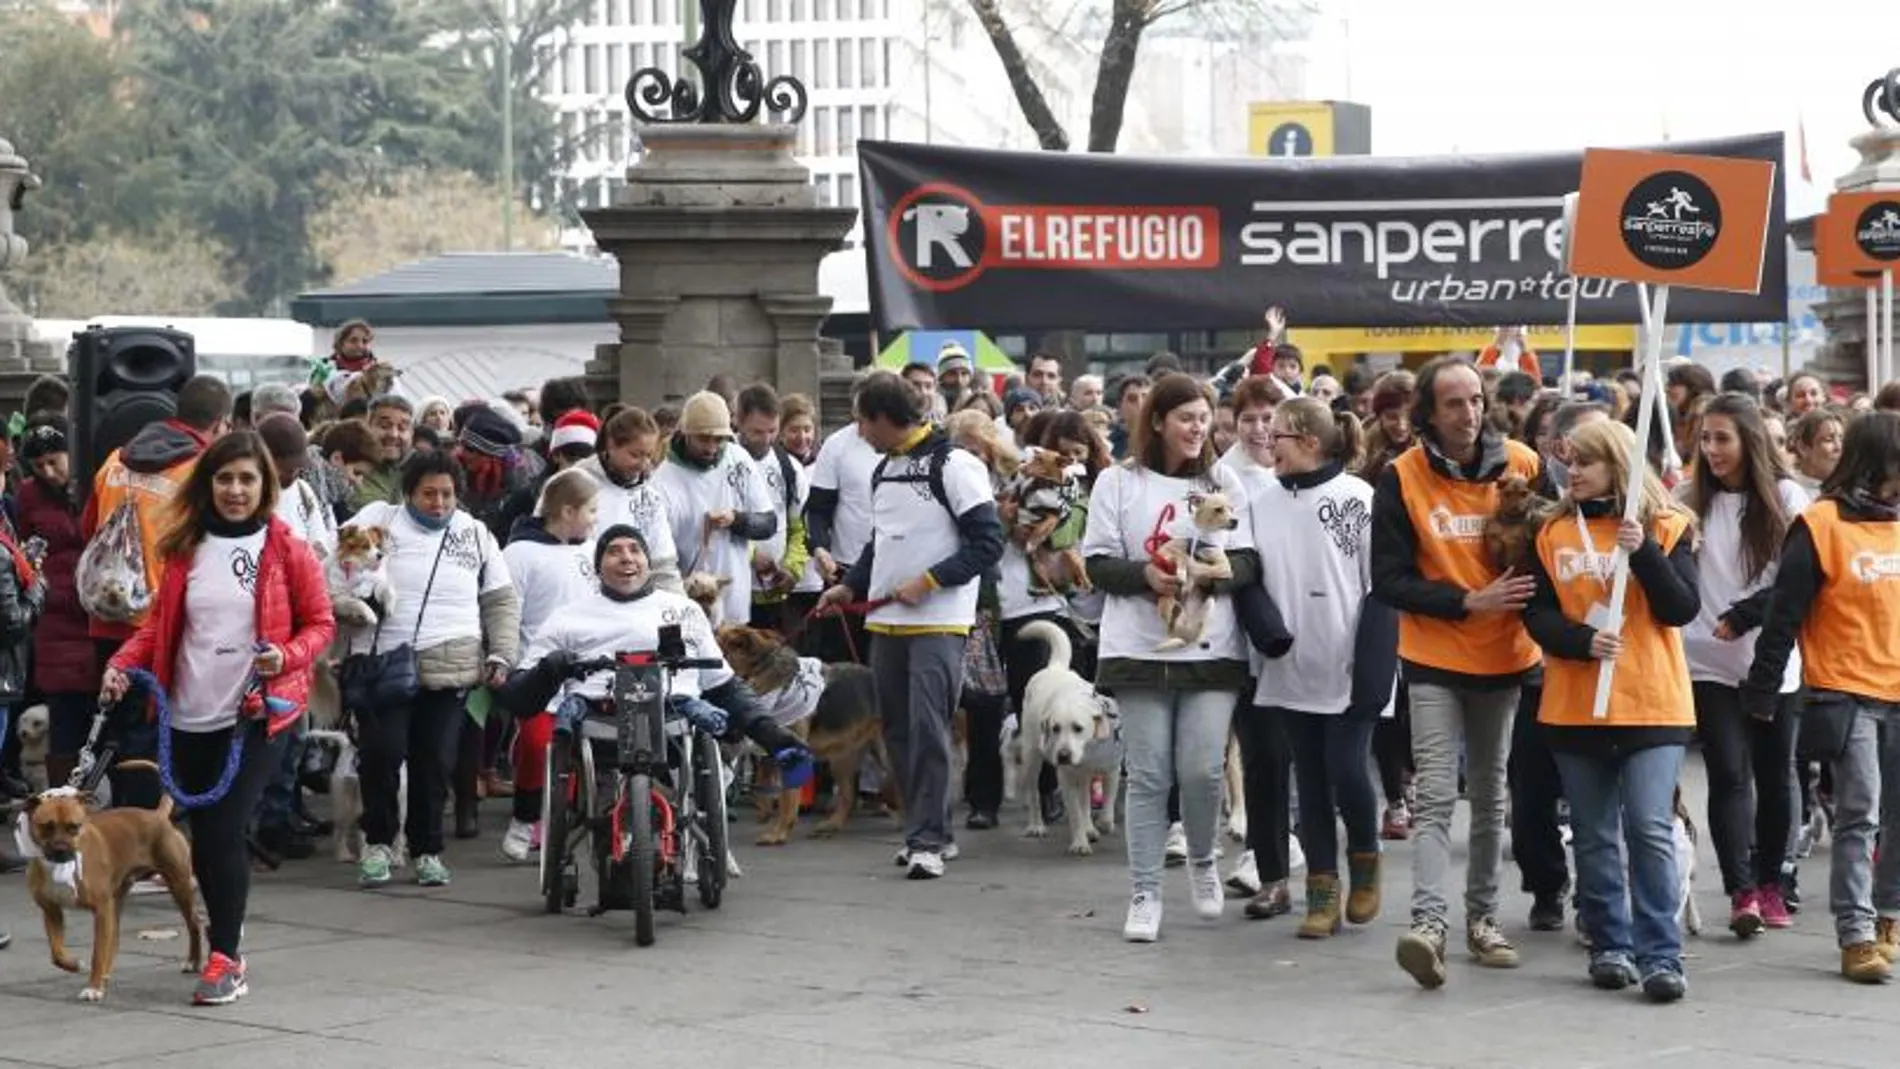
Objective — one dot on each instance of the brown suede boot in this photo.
(1362, 903)
(1322, 908)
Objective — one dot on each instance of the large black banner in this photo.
(967, 238)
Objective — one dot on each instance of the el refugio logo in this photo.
(939, 235)
(1877, 231)
(1671, 220)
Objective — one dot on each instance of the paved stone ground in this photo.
(825, 958)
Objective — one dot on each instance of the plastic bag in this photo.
(112, 573)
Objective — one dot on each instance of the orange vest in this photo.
(1651, 684)
(1448, 518)
(1847, 642)
(152, 494)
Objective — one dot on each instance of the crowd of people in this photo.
(1388, 592)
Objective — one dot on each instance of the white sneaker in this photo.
(1177, 844)
(518, 841)
(902, 858)
(1244, 880)
(1144, 919)
(1204, 885)
(1295, 857)
(926, 865)
(950, 851)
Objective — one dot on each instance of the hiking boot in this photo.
(1744, 914)
(1863, 963)
(1665, 984)
(1273, 901)
(1144, 919)
(1547, 913)
(1421, 953)
(431, 872)
(1612, 971)
(1488, 945)
(373, 870)
(1887, 938)
(1362, 902)
(1774, 910)
(1397, 826)
(1322, 907)
(221, 983)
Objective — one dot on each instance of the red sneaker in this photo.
(221, 983)
(1744, 914)
(1774, 909)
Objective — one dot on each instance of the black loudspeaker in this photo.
(124, 378)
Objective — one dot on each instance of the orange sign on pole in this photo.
(1673, 220)
(1861, 232)
(1829, 269)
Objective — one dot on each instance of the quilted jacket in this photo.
(293, 613)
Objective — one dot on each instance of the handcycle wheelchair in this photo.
(637, 789)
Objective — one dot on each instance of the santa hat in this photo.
(579, 427)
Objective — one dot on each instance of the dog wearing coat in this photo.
(1070, 726)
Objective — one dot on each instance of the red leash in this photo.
(1159, 538)
(849, 608)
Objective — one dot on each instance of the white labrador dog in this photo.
(1066, 723)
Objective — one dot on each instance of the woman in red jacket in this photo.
(241, 615)
(63, 657)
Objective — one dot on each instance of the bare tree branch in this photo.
(1116, 72)
(1042, 120)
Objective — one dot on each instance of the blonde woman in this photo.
(1620, 771)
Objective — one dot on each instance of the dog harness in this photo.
(64, 874)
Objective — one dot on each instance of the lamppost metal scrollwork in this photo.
(734, 89)
(1880, 102)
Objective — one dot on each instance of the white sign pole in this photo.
(1873, 341)
(1570, 339)
(1653, 321)
(1653, 326)
(1566, 384)
(1886, 328)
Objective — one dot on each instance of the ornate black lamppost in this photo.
(735, 88)
(1881, 101)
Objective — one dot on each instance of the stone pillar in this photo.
(719, 235)
(1843, 356)
(23, 357)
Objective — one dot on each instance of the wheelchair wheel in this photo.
(710, 837)
(561, 799)
(637, 797)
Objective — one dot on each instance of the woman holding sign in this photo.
(1620, 771)
(1838, 593)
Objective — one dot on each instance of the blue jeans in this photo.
(1617, 799)
(1172, 737)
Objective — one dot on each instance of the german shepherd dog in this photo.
(839, 722)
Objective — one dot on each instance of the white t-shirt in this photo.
(1127, 506)
(308, 518)
(550, 577)
(1722, 581)
(220, 639)
(772, 471)
(733, 484)
(642, 506)
(472, 565)
(603, 627)
(1013, 588)
(1319, 574)
(845, 463)
(914, 531)
(812, 581)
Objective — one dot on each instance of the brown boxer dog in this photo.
(90, 860)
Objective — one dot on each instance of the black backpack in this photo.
(936, 453)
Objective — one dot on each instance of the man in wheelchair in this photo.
(626, 614)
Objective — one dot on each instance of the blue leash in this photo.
(147, 682)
